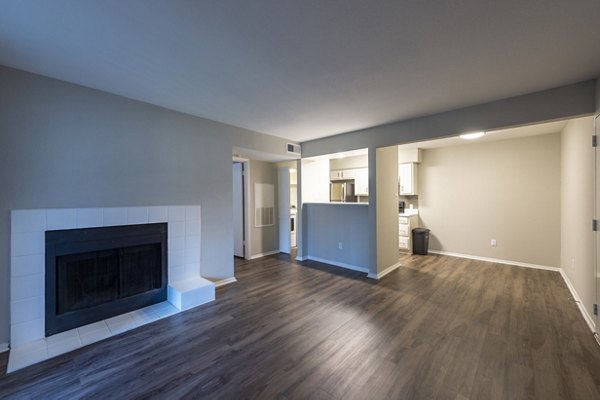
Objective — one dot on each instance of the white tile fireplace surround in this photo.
(186, 287)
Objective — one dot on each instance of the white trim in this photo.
(285, 251)
(247, 227)
(4, 347)
(299, 258)
(496, 260)
(384, 272)
(225, 281)
(586, 316)
(339, 264)
(259, 255)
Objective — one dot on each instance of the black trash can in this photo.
(420, 237)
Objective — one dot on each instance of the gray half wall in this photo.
(331, 224)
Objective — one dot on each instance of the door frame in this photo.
(596, 217)
(245, 197)
(283, 212)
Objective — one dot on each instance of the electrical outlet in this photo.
(340, 245)
(494, 243)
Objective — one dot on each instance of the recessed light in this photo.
(472, 135)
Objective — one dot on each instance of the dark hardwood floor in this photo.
(436, 328)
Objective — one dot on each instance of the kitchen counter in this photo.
(339, 203)
(409, 212)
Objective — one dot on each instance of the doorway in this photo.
(239, 209)
(288, 207)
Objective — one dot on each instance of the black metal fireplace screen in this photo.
(97, 273)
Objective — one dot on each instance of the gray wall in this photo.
(63, 145)
(508, 190)
(330, 224)
(263, 239)
(559, 103)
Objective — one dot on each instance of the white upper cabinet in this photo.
(359, 175)
(341, 174)
(407, 176)
(361, 181)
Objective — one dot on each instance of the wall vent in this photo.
(264, 216)
(294, 149)
(264, 204)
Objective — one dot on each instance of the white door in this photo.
(238, 210)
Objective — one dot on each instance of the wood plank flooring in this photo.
(436, 328)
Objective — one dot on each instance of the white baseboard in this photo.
(298, 258)
(588, 318)
(385, 271)
(3, 347)
(259, 255)
(339, 264)
(496, 260)
(225, 281)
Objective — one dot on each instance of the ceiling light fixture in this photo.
(472, 135)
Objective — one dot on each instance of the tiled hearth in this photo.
(186, 286)
(55, 345)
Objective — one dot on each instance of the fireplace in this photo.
(96, 273)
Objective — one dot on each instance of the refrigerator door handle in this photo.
(343, 193)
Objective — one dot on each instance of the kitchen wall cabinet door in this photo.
(361, 182)
(341, 174)
(407, 175)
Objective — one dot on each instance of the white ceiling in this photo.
(491, 136)
(308, 68)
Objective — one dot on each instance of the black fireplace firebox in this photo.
(97, 273)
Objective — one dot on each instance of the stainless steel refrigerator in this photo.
(342, 192)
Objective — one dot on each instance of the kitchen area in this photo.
(349, 183)
(335, 209)
(335, 195)
(349, 177)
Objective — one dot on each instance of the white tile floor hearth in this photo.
(55, 345)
